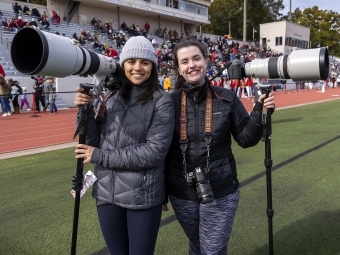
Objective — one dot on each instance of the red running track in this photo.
(21, 132)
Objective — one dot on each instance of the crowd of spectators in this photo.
(18, 10)
(15, 24)
(24, 17)
(222, 50)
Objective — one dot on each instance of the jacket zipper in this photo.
(121, 124)
(144, 180)
(126, 107)
(113, 185)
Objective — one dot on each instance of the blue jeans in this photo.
(53, 108)
(6, 107)
(46, 28)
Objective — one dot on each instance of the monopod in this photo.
(268, 162)
(78, 177)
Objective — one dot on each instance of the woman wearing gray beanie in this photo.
(128, 150)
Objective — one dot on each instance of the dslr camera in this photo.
(204, 191)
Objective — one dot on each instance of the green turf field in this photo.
(36, 208)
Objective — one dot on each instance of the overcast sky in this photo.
(333, 5)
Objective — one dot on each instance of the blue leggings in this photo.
(127, 231)
(208, 226)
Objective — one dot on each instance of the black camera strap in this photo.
(183, 132)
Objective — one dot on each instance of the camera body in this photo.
(203, 187)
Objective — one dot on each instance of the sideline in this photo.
(14, 154)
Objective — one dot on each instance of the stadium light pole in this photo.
(245, 21)
(229, 28)
(67, 10)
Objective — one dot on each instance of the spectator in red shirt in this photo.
(113, 53)
(147, 27)
(212, 56)
(220, 83)
(2, 71)
(12, 25)
(20, 23)
(249, 87)
(55, 18)
(213, 82)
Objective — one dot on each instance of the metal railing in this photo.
(5, 41)
(83, 22)
(8, 44)
(1, 38)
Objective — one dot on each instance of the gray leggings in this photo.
(208, 226)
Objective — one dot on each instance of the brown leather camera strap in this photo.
(183, 120)
(208, 112)
(183, 132)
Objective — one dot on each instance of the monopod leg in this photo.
(268, 162)
(78, 180)
(78, 177)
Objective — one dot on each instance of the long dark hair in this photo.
(186, 43)
(153, 85)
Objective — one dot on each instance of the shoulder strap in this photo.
(101, 109)
(183, 115)
(183, 132)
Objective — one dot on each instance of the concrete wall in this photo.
(284, 29)
(296, 32)
(272, 30)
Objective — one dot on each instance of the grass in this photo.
(36, 208)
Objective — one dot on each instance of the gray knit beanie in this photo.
(138, 47)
